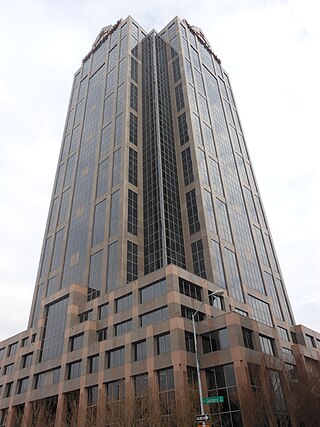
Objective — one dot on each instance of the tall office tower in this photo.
(155, 206)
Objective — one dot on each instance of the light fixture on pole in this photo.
(213, 295)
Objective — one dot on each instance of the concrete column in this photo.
(60, 412)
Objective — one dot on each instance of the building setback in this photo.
(155, 206)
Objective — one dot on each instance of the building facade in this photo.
(155, 206)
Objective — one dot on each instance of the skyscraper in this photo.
(154, 207)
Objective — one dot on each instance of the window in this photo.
(53, 337)
(216, 301)
(116, 167)
(286, 350)
(242, 312)
(114, 213)
(113, 52)
(132, 212)
(140, 350)
(190, 289)
(123, 303)
(217, 183)
(291, 371)
(163, 343)
(69, 170)
(218, 265)
(247, 335)
(187, 166)
(47, 378)
(254, 375)
(134, 70)
(166, 379)
(154, 316)
(223, 218)
(153, 290)
(87, 315)
(199, 267)
(133, 167)
(203, 106)
(235, 280)
(26, 360)
(183, 129)
(112, 266)
(179, 97)
(133, 97)
(105, 146)
(3, 417)
(7, 390)
(261, 310)
(22, 385)
(187, 312)
(76, 342)
(123, 327)
(122, 70)
(192, 375)
(79, 111)
(210, 212)
(73, 370)
(277, 391)
(93, 293)
(115, 357)
(24, 343)
(133, 133)
(140, 384)
(166, 390)
(40, 380)
(203, 165)
(52, 287)
(192, 210)
(102, 334)
(135, 30)
(12, 349)
(267, 345)
(176, 70)
(115, 390)
(2, 352)
(215, 340)
(310, 341)
(8, 369)
(56, 375)
(283, 333)
(93, 364)
(92, 395)
(189, 342)
(195, 56)
(99, 223)
(110, 81)
(221, 381)
(103, 311)
(119, 118)
(272, 292)
(294, 337)
(132, 261)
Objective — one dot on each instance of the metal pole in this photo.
(197, 363)
(213, 295)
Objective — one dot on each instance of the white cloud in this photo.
(269, 49)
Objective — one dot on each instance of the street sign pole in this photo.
(197, 364)
(212, 295)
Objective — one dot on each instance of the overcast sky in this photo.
(270, 49)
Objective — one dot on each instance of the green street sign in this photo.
(213, 399)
